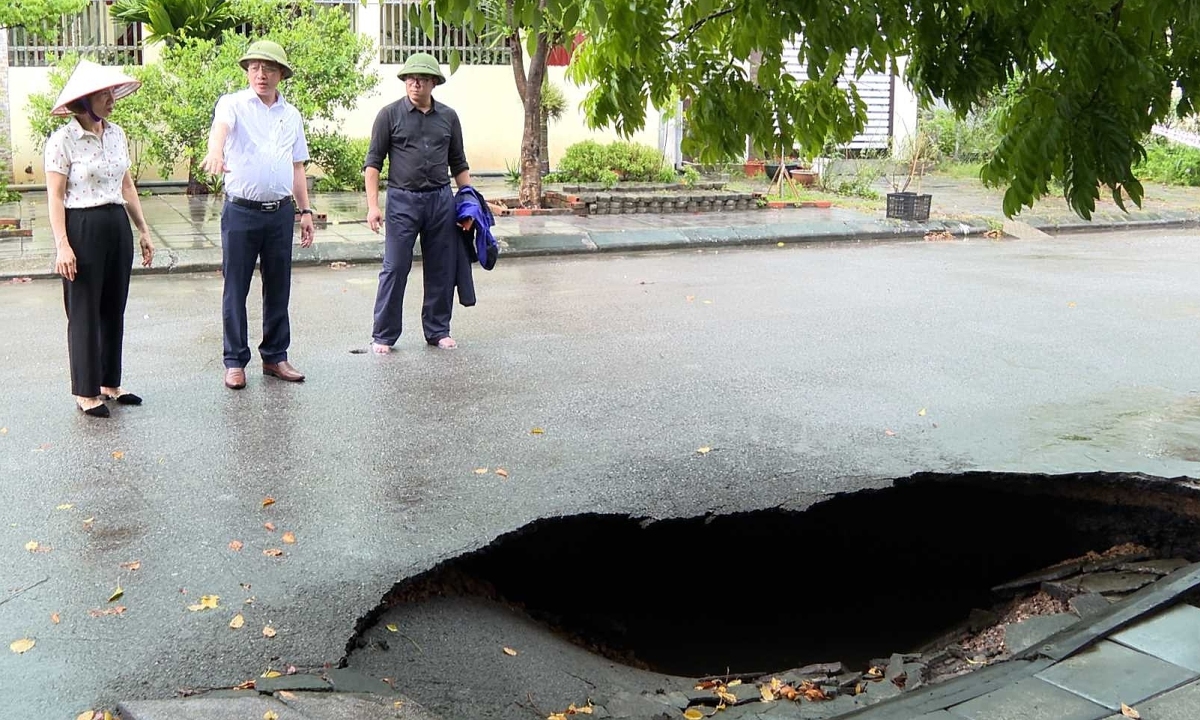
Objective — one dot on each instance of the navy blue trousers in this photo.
(95, 300)
(431, 215)
(249, 235)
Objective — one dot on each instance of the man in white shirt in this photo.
(257, 141)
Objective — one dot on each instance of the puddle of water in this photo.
(1148, 421)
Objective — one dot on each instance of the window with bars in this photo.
(400, 37)
(91, 33)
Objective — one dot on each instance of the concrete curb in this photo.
(586, 242)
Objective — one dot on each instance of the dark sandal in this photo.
(125, 399)
(100, 411)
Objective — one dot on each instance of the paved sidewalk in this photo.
(188, 236)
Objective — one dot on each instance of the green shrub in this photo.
(339, 158)
(591, 162)
(691, 176)
(1169, 163)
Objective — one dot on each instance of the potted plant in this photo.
(902, 204)
(754, 167)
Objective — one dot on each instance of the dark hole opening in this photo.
(854, 578)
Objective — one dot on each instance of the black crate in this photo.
(908, 206)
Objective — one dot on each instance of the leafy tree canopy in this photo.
(38, 16)
(1090, 76)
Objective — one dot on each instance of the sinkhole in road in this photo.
(851, 578)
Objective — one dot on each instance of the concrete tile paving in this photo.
(1029, 699)
(1111, 674)
(1173, 636)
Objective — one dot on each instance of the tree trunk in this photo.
(6, 164)
(544, 154)
(530, 194)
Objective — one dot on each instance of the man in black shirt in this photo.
(422, 140)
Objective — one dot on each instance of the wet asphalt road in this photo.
(805, 369)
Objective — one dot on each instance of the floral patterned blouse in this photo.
(94, 164)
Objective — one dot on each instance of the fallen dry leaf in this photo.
(703, 450)
(537, 431)
(237, 622)
(269, 526)
(693, 714)
(3, 431)
(1128, 711)
(118, 455)
(889, 433)
(235, 545)
(289, 537)
(510, 652)
(780, 244)
(117, 594)
(131, 566)
(502, 472)
(270, 715)
(32, 545)
(481, 471)
(207, 602)
(105, 612)
(690, 298)
(767, 694)
(64, 506)
(921, 412)
(734, 683)
(272, 674)
(87, 523)
(268, 632)
(268, 501)
(392, 627)
(22, 646)
(247, 685)
(273, 552)
(707, 684)
(86, 715)
(1071, 305)
(55, 618)
(287, 694)
(708, 302)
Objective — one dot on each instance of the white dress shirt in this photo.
(261, 146)
(94, 164)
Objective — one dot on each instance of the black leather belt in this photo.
(268, 206)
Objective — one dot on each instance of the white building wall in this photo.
(485, 98)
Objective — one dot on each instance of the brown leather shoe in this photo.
(235, 378)
(283, 371)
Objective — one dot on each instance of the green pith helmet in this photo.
(422, 64)
(267, 50)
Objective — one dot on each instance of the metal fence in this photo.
(91, 33)
(399, 37)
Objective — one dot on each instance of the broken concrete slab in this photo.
(1106, 583)
(1027, 633)
(1110, 674)
(1156, 567)
(1179, 704)
(208, 708)
(342, 706)
(1029, 699)
(1089, 605)
(1173, 636)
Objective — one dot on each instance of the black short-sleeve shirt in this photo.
(424, 149)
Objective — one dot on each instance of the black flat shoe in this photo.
(125, 399)
(100, 410)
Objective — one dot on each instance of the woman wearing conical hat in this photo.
(92, 198)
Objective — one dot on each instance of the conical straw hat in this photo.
(89, 78)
